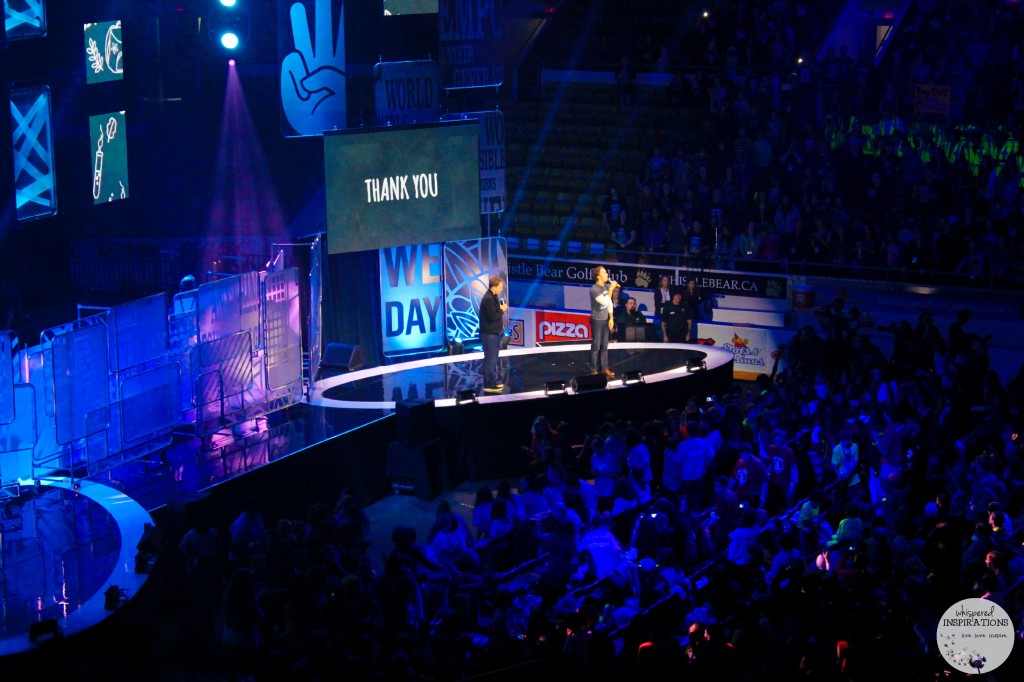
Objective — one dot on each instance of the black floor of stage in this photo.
(521, 371)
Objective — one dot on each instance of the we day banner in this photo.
(411, 295)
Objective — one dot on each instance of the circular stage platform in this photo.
(528, 374)
(63, 544)
(478, 436)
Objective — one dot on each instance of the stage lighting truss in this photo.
(554, 387)
(634, 376)
(466, 395)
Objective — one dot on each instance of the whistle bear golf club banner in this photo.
(711, 282)
(468, 265)
(405, 92)
(470, 37)
(411, 293)
(402, 185)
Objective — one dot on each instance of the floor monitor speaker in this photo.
(589, 382)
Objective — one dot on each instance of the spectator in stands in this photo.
(611, 207)
(248, 532)
(605, 469)
(482, 508)
(748, 244)
(749, 478)
(696, 457)
(624, 233)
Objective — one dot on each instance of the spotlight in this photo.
(556, 387)
(696, 365)
(456, 347)
(633, 376)
(466, 395)
(229, 24)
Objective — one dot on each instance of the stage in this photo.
(466, 434)
(526, 373)
(66, 541)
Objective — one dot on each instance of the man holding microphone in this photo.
(602, 322)
(492, 326)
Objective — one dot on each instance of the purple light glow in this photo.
(244, 207)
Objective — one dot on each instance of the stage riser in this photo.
(288, 486)
(488, 437)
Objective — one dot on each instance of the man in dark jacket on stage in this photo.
(492, 326)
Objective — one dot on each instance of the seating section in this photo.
(559, 169)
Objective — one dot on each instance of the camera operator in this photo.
(840, 324)
(961, 340)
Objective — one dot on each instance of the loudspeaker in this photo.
(415, 421)
(589, 382)
(416, 468)
(337, 356)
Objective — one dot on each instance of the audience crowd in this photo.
(911, 165)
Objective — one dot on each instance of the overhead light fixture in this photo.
(556, 387)
(466, 395)
(633, 376)
(696, 365)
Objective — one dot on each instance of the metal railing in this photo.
(792, 268)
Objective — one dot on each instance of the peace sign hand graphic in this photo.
(313, 76)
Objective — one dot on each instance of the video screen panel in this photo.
(395, 186)
(403, 7)
(104, 56)
(109, 157)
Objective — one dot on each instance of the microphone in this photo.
(501, 301)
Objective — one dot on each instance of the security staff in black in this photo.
(675, 319)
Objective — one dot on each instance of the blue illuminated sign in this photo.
(411, 295)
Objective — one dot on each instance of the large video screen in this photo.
(395, 186)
